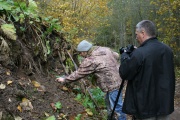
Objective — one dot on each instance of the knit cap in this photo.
(84, 46)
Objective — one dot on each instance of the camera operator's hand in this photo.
(122, 50)
(130, 48)
(125, 52)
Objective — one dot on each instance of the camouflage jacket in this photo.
(103, 63)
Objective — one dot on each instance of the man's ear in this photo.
(143, 32)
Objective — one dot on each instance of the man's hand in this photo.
(128, 49)
(60, 79)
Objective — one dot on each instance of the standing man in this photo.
(103, 63)
(149, 70)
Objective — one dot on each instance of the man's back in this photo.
(106, 68)
(152, 87)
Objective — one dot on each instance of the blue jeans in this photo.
(110, 101)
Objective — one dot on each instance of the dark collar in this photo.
(148, 40)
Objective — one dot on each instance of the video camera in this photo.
(128, 49)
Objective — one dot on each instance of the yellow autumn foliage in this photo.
(167, 21)
(79, 18)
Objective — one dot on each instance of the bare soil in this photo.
(41, 97)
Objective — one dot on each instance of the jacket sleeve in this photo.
(87, 67)
(130, 65)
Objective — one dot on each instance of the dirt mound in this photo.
(19, 86)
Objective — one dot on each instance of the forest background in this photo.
(38, 40)
(112, 22)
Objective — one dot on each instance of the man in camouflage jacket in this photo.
(103, 63)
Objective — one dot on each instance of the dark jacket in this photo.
(151, 80)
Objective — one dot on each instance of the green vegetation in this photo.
(78, 117)
(98, 96)
(92, 102)
(58, 106)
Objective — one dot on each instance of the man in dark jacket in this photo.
(150, 73)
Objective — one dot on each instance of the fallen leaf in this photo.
(9, 82)
(9, 101)
(17, 118)
(46, 114)
(53, 106)
(36, 84)
(62, 116)
(2, 86)
(8, 73)
(64, 88)
(89, 112)
(19, 108)
(24, 100)
(26, 104)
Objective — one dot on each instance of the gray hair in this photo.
(148, 26)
